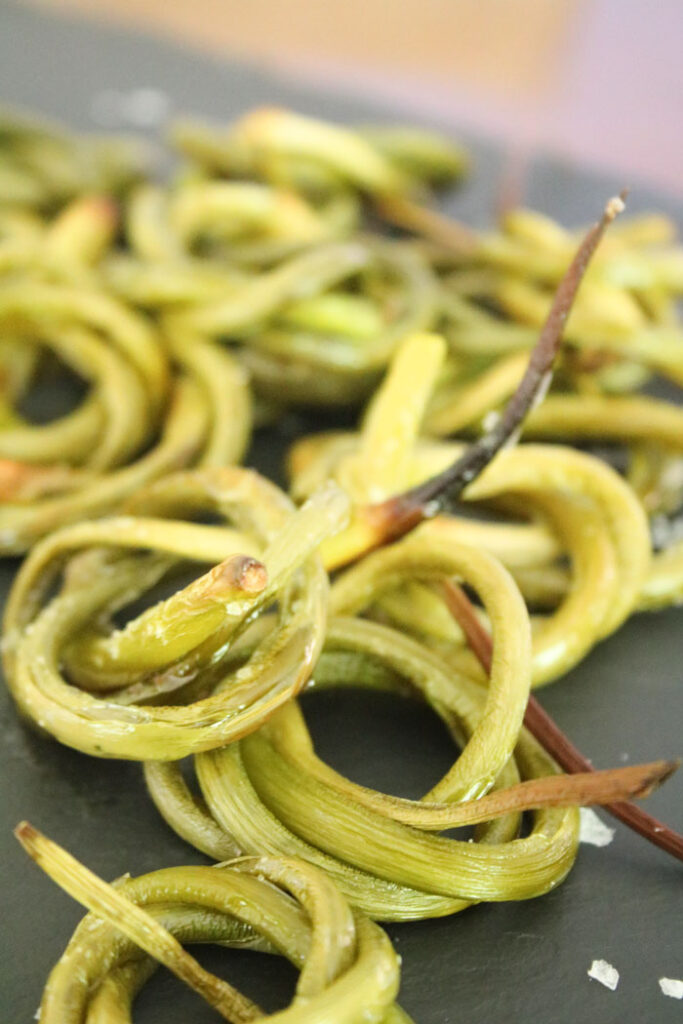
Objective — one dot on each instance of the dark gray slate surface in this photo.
(498, 963)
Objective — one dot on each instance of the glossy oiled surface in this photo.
(496, 964)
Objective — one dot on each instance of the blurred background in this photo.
(596, 81)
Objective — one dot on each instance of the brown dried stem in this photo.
(550, 736)
(395, 517)
(406, 213)
(577, 789)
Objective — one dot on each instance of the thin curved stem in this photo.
(550, 736)
(398, 515)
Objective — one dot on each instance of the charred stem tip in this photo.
(250, 575)
(617, 204)
(659, 772)
(404, 511)
(554, 742)
(26, 834)
(633, 782)
(241, 572)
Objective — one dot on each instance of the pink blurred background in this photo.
(598, 81)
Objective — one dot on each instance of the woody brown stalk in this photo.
(397, 516)
(550, 736)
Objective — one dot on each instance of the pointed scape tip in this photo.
(616, 205)
(26, 834)
(661, 771)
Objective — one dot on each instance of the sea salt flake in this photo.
(604, 973)
(593, 830)
(671, 987)
(146, 107)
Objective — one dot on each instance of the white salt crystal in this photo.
(147, 107)
(144, 107)
(671, 987)
(604, 973)
(593, 830)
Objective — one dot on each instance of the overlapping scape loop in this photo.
(280, 264)
(180, 648)
(348, 968)
(42, 167)
(578, 510)
(270, 791)
(145, 405)
(173, 604)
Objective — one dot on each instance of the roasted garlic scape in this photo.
(180, 644)
(270, 792)
(257, 260)
(348, 968)
(153, 404)
(177, 649)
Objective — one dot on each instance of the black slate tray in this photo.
(501, 964)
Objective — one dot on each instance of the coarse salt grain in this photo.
(671, 987)
(593, 830)
(604, 973)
